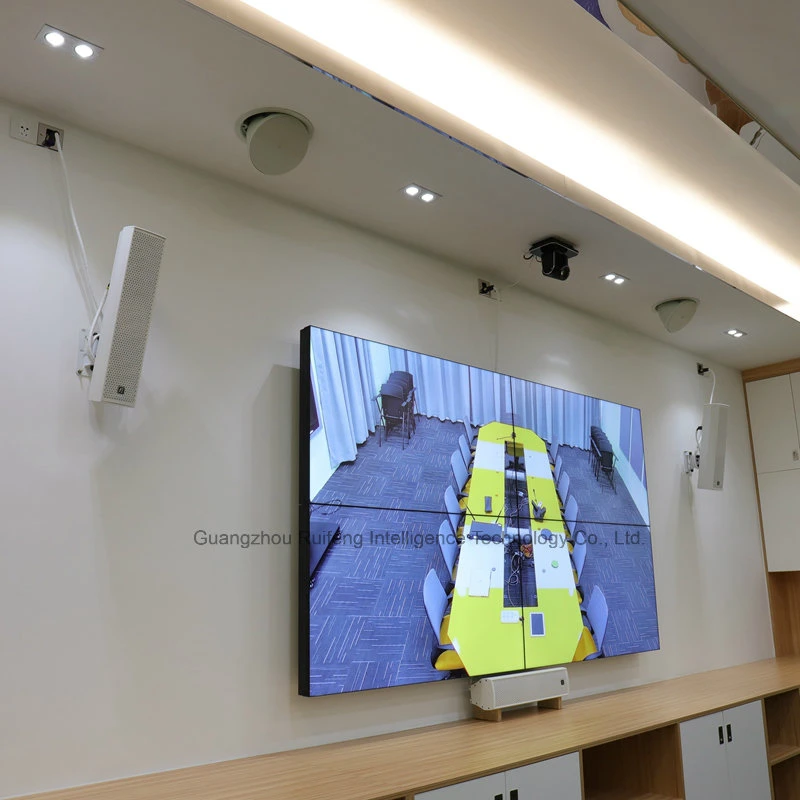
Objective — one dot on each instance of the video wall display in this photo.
(455, 521)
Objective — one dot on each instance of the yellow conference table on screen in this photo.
(487, 636)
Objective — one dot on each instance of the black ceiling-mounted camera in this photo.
(554, 254)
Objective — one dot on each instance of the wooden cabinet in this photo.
(783, 743)
(779, 494)
(773, 404)
(627, 743)
(553, 779)
(725, 755)
(705, 763)
(646, 766)
(492, 787)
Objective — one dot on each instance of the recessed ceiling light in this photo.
(736, 333)
(610, 277)
(615, 278)
(420, 193)
(54, 38)
(619, 281)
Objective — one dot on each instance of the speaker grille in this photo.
(505, 691)
(133, 318)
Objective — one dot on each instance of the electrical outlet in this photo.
(24, 129)
(30, 130)
(45, 136)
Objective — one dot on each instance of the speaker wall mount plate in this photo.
(277, 138)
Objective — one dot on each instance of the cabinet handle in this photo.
(514, 794)
(730, 734)
(721, 737)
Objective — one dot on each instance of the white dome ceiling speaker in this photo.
(676, 314)
(277, 139)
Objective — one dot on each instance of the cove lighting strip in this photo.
(384, 37)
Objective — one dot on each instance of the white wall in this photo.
(126, 648)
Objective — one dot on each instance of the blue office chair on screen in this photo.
(578, 556)
(470, 433)
(563, 487)
(436, 601)
(460, 473)
(448, 544)
(466, 453)
(455, 514)
(571, 515)
(553, 451)
(597, 617)
(559, 467)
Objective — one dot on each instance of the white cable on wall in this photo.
(83, 266)
(91, 349)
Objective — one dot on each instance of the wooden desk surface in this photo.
(395, 765)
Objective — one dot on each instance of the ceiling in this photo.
(747, 48)
(174, 80)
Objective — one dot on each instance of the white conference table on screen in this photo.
(486, 634)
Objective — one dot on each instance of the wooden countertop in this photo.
(399, 764)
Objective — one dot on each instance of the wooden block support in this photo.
(553, 702)
(496, 715)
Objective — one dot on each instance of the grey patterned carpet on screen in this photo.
(368, 622)
(622, 568)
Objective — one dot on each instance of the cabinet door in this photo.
(746, 748)
(554, 779)
(705, 766)
(773, 424)
(492, 787)
(779, 493)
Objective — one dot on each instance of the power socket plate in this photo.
(25, 129)
(30, 130)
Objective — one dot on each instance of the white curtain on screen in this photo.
(345, 391)
(556, 415)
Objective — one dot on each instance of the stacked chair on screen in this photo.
(602, 455)
(405, 381)
(396, 405)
